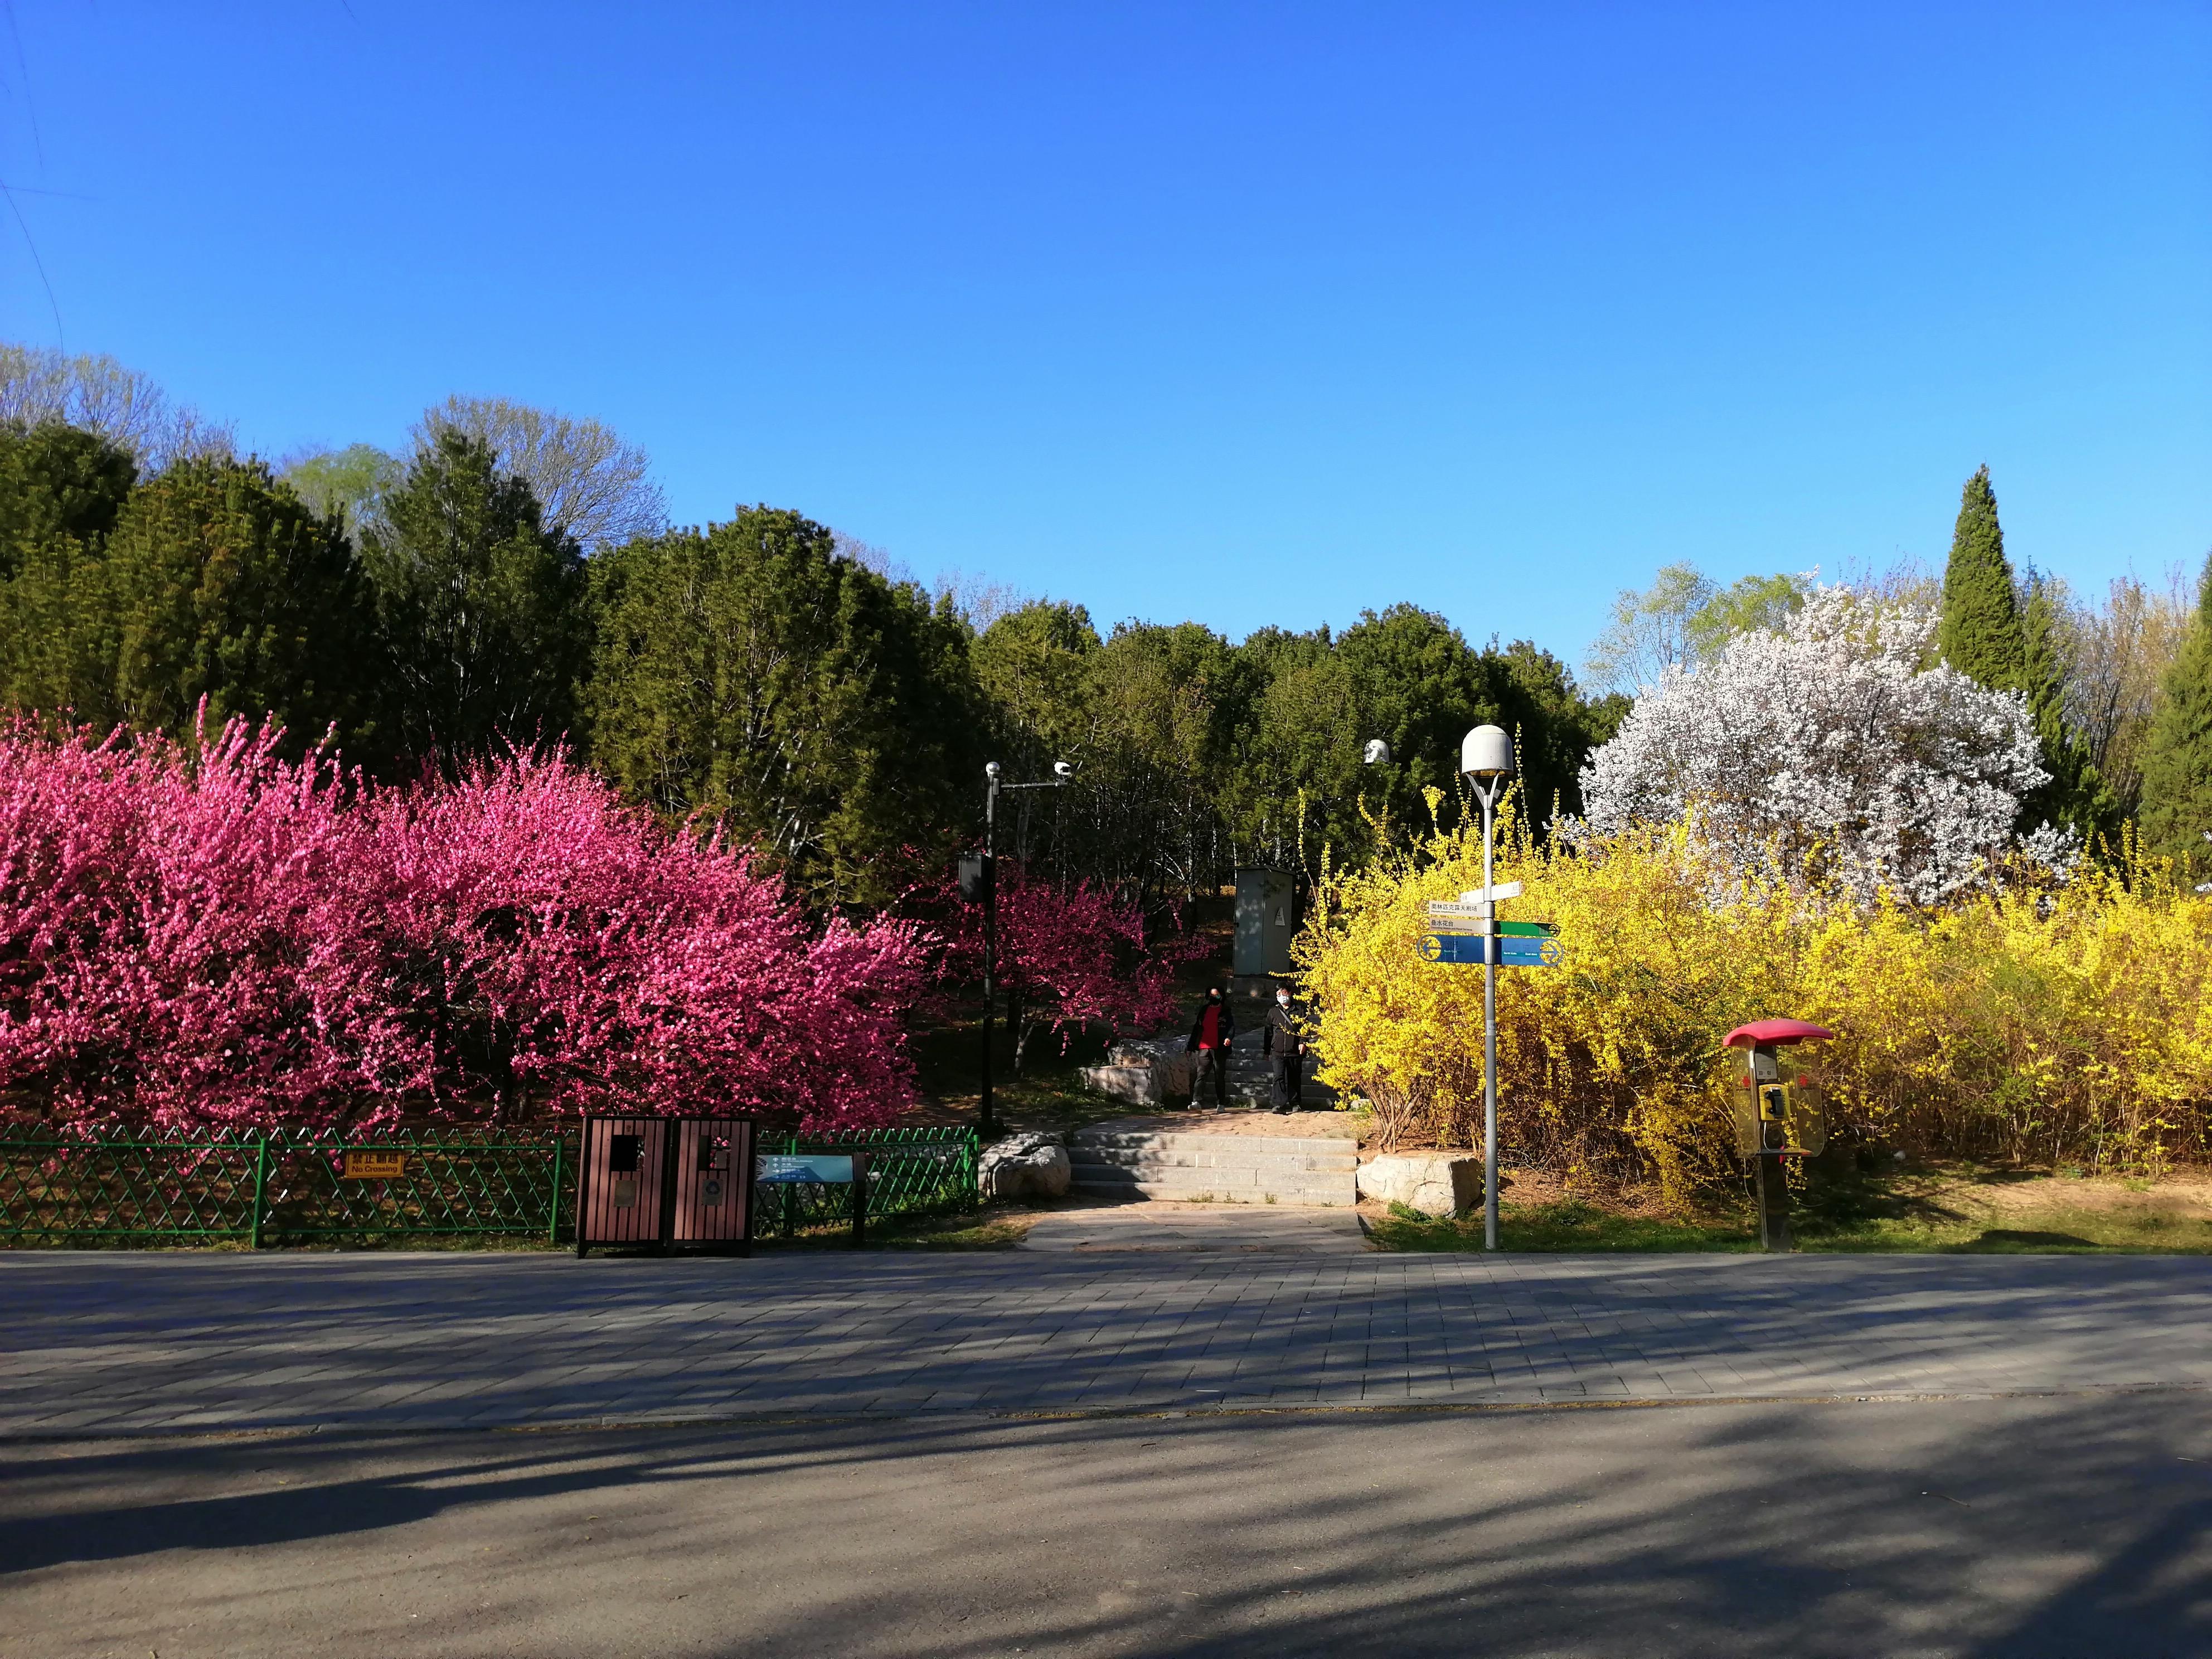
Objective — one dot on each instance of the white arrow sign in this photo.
(1504, 889)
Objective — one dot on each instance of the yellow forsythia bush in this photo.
(2034, 1023)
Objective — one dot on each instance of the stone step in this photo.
(1198, 1140)
(1186, 1174)
(1337, 1195)
(1268, 1165)
(1169, 1164)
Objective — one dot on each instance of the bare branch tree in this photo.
(1649, 633)
(980, 598)
(2116, 656)
(589, 483)
(100, 395)
(869, 556)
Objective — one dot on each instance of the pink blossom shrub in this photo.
(221, 937)
(1069, 958)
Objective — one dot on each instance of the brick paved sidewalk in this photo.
(113, 1342)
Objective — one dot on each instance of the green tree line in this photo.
(747, 674)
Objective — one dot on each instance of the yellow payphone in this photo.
(1774, 1100)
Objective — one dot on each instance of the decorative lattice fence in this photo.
(299, 1186)
(920, 1171)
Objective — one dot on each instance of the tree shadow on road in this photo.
(1992, 1528)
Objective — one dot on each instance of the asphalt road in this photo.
(2072, 1525)
(115, 1342)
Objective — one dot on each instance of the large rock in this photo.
(1137, 1084)
(1024, 1166)
(1434, 1183)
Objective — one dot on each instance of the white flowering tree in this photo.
(1837, 742)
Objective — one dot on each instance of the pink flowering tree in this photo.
(213, 935)
(1070, 958)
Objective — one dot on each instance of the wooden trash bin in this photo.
(663, 1183)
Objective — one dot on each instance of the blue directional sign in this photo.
(1512, 952)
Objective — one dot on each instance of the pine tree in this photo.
(226, 586)
(2077, 797)
(61, 489)
(1980, 634)
(482, 608)
(2176, 788)
(751, 672)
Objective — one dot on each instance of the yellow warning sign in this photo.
(374, 1166)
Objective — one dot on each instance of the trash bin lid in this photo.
(1775, 1031)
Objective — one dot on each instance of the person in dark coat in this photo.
(1283, 1039)
(1209, 1040)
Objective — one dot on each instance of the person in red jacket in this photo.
(1209, 1040)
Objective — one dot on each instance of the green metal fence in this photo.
(919, 1171)
(281, 1186)
(291, 1186)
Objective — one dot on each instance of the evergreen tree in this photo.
(226, 586)
(2077, 797)
(1417, 684)
(58, 480)
(2177, 788)
(749, 672)
(61, 489)
(1980, 634)
(1554, 726)
(482, 609)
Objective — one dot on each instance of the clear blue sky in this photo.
(1244, 313)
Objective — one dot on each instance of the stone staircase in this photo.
(1128, 1162)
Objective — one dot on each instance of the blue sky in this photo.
(1239, 314)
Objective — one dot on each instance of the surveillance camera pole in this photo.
(1486, 760)
(986, 1120)
(1487, 791)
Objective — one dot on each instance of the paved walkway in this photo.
(112, 1342)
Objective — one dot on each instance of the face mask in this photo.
(1284, 1001)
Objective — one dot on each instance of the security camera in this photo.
(1378, 752)
(991, 770)
(1062, 770)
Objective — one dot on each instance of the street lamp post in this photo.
(1485, 756)
(987, 1117)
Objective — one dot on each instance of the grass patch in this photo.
(1960, 1210)
(1568, 1224)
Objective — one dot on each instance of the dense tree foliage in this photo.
(1194, 755)
(226, 589)
(61, 490)
(750, 673)
(2177, 779)
(480, 607)
(210, 581)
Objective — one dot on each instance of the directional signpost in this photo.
(1469, 931)
(1511, 947)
